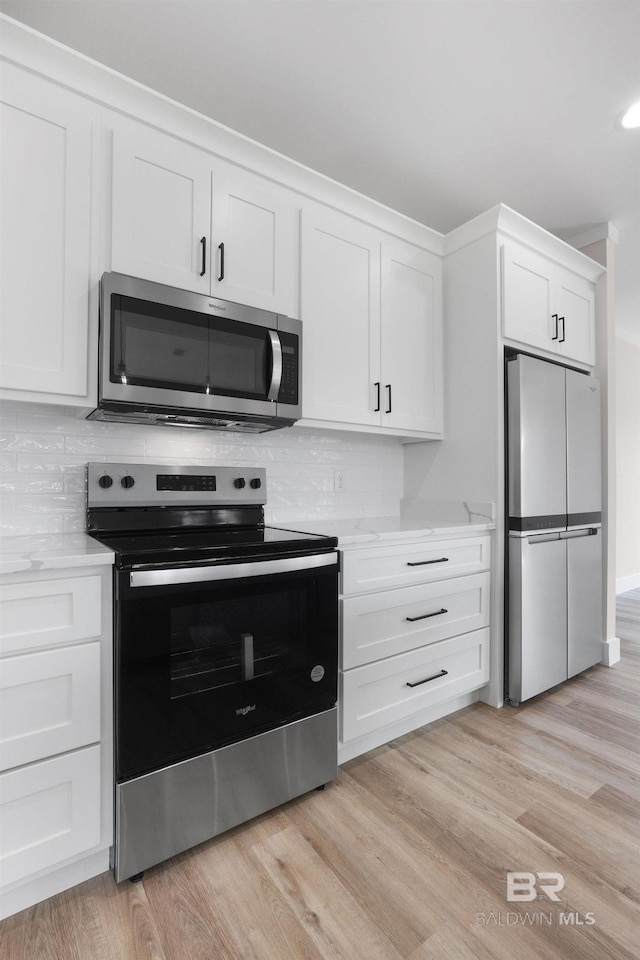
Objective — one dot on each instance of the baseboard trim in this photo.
(628, 583)
(610, 651)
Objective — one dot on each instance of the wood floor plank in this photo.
(556, 761)
(397, 875)
(260, 923)
(335, 921)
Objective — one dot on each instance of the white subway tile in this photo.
(105, 446)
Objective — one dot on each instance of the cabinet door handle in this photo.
(423, 563)
(388, 387)
(443, 673)
(221, 249)
(554, 316)
(203, 241)
(561, 340)
(425, 616)
(377, 407)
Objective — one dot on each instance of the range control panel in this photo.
(162, 485)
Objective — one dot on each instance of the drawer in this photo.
(49, 703)
(378, 694)
(49, 612)
(382, 568)
(383, 624)
(50, 811)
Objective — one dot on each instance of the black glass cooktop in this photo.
(203, 546)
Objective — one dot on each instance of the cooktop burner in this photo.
(155, 514)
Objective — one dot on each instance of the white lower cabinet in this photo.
(50, 811)
(386, 691)
(416, 645)
(55, 732)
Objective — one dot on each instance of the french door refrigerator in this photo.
(554, 548)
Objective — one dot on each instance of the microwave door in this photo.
(276, 365)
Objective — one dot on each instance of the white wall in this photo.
(628, 464)
(43, 453)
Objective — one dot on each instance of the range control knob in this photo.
(256, 483)
(127, 482)
(105, 481)
(239, 483)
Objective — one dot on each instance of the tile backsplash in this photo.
(43, 452)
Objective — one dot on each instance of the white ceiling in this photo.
(437, 109)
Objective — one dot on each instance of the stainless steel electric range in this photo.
(225, 654)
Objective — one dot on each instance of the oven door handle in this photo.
(276, 365)
(230, 571)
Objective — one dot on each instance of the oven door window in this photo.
(200, 666)
(175, 349)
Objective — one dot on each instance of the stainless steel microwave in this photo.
(171, 356)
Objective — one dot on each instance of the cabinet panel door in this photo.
(49, 703)
(50, 811)
(379, 693)
(370, 569)
(575, 304)
(340, 300)
(411, 345)
(258, 225)
(161, 209)
(45, 236)
(49, 612)
(378, 625)
(527, 297)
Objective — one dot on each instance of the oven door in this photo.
(208, 655)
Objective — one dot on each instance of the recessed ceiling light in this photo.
(630, 119)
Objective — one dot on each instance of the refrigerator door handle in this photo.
(585, 532)
(543, 538)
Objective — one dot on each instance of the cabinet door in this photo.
(411, 345)
(45, 237)
(575, 305)
(527, 297)
(340, 310)
(161, 209)
(50, 811)
(254, 240)
(49, 703)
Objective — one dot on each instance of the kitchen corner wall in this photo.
(627, 385)
(43, 452)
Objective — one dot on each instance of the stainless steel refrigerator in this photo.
(554, 548)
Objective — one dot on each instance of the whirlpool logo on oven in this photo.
(243, 711)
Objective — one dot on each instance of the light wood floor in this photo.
(406, 854)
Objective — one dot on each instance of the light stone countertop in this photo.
(51, 552)
(418, 520)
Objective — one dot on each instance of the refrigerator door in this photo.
(536, 444)
(584, 598)
(583, 448)
(537, 614)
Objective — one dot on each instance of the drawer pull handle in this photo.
(442, 673)
(423, 563)
(436, 613)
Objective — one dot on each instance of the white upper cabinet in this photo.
(372, 315)
(184, 218)
(411, 308)
(254, 241)
(547, 306)
(45, 238)
(340, 311)
(161, 217)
